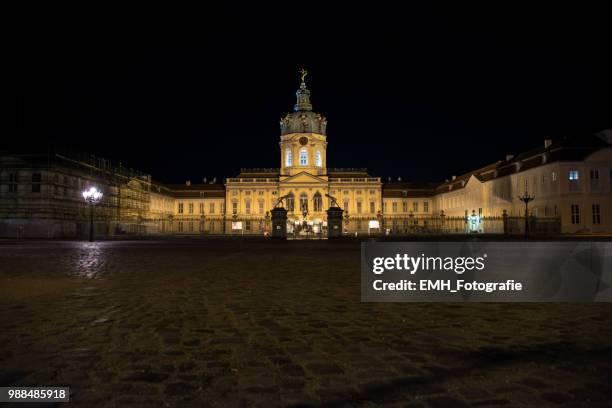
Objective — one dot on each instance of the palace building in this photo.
(570, 180)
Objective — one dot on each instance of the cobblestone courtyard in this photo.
(230, 323)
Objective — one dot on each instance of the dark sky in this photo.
(424, 94)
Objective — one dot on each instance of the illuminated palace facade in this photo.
(571, 180)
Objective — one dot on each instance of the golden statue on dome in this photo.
(303, 74)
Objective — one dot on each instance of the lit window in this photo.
(289, 157)
(404, 206)
(415, 206)
(317, 202)
(318, 159)
(290, 202)
(303, 202)
(303, 157)
(573, 175)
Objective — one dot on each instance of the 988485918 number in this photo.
(34, 394)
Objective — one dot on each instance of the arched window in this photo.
(288, 158)
(303, 202)
(318, 162)
(317, 202)
(290, 202)
(303, 157)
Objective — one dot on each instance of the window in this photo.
(394, 207)
(288, 158)
(415, 206)
(303, 157)
(317, 202)
(180, 208)
(221, 207)
(405, 206)
(372, 207)
(247, 225)
(358, 207)
(303, 202)
(190, 208)
(211, 208)
(385, 207)
(247, 206)
(425, 206)
(234, 207)
(290, 202)
(575, 211)
(596, 214)
(36, 179)
(180, 226)
(201, 208)
(318, 161)
(346, 205)
(190, 226)
(261, 206)
(553, 176)
(12, 187)
(594, 179)
(573, 177)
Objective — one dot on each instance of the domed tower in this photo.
(303, 140)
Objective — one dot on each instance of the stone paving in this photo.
(231, 323)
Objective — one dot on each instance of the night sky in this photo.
(422, 94)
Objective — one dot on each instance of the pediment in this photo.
(303, 177)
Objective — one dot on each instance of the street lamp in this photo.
(347, 218)
(526, 198)
(93, 197)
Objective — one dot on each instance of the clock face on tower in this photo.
(303, 140)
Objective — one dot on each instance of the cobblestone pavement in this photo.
(230, 323)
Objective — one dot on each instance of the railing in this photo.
(252, 180)
(355, 180)
(259, 170)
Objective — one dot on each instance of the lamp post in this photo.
(526, 198)
(93, 197)
(304, 222)
(411, 218)
(347, 218)
(267, 223)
